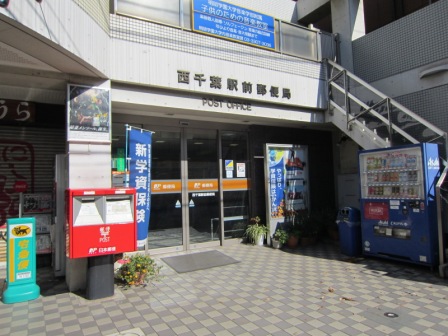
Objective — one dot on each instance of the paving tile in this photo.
(270, 292)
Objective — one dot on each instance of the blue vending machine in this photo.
(398, 205)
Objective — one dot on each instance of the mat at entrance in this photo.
(198, 261)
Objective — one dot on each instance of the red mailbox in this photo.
(100, 222)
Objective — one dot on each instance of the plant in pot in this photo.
(256, 232)
(137, 269)
(329, 220)
(293, 236)
(279, 238)
(308, 226)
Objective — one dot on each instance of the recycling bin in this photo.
(349, 224)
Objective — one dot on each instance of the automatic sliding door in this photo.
(203, 190)
(165, 226)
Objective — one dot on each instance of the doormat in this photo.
(198, 261)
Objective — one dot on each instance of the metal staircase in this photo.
(373, 120)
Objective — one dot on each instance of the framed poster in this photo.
(88, 110)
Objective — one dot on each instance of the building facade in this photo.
(211, 95)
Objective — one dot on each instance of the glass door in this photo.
(202, 171)
(165, 225)
(184, 190)
(189, 206)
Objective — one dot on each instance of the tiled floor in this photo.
(307, 291)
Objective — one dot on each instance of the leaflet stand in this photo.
(101, 223)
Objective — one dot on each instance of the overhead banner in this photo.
(223, 19)
(139, 144)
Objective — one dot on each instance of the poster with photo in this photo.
(286, 172)
(88, 110)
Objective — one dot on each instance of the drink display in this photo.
(398, 214)
(393, 175)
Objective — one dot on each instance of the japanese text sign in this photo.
(140, 142)
(21, 256)
(232, 22)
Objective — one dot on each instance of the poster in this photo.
(287, 188)
(88, 110)
(240, 169)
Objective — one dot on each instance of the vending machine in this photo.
(286, 170)
(398, 205)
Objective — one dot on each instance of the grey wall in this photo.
(431, 104)
(413, 41)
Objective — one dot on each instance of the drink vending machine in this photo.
(398, 205)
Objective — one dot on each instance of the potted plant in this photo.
(279, 238)
(308, 225)
(329, 220)
(256, 232)
(293, 236)
(136, 270)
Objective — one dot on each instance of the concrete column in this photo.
(348, 21)
(89, 166)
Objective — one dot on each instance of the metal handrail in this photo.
(440, 231)
(370, 109)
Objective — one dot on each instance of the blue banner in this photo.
(140, 142)
(277, 183)
(226, 20)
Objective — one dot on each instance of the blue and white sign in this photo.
(140, 142)
(232, 22)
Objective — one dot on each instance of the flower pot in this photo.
(292, 242)
(307, 241)
(276, 244)
(260, 241)
(333, 233)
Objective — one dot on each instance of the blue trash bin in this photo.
(349, 223)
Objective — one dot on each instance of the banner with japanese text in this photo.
(287, 183)
(276, 183)
(139, 144)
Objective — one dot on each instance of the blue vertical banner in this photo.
(140, 142)
(276, 183)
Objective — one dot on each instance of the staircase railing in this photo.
(365, 107)
(442, 212)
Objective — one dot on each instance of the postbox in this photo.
(100, 222)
